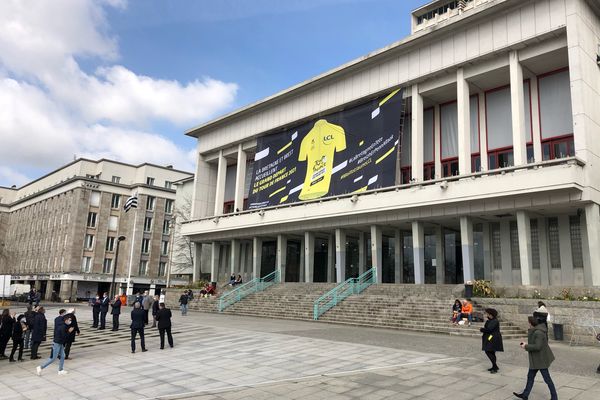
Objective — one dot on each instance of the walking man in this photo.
(164, 325)
(116, 311)
(39, 332)
(61, 329)
(103, 310)
(137, 326)
(71, 335)
(183, 302)
(95, 303)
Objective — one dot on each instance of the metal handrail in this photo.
(254, 286)
(345, 289)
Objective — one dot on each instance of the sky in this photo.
(125, 79)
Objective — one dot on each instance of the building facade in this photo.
(61, 231)
(497, 158)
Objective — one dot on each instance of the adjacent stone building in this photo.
(60, 232)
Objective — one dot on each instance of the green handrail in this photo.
(255, 285)
(345, 289)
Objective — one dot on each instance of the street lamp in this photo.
(112, 285)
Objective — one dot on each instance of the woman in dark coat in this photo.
(6, 330)
(71, 334)
(491, 340)
(39, 332)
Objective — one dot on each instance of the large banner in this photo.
(345, 152)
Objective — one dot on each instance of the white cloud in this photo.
(12, 177)
(51, 109)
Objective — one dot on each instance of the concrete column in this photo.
(302, 260)
(418, 237)
(220, 188)
(214, 262)
(197, 262)
(535, 119)
(309, 256)
(362, 253)
(281, 255)
(398, 257)
(256, 256)
(542, 226)
(524, 228)
(505, 251)
(517, 107)
(592, 228)
(331, 259)
(203, 197)
(437, 139)
(440, 257)
(468, 253)
(566, 259)
(340, 255)
(377, 251)
(482, 129)
(487, 251)
(240, 179)
(417, 134)
(235, 256)
(464, 123)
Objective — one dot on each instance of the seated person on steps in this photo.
(209, 290)
(467, 311)
(456, 309)
(238, 280)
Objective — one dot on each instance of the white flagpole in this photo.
(129, 287)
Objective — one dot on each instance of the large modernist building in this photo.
(60, 232)
(468, 150)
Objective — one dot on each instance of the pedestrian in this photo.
(164, 325)
(95, 303)
(29, 317)
(183, 302)
(58, 320)
(154, 311)
(115, 312)
(37, 298)
(491, 340)
(62, 329)
(139, 298)
(540, 358)
(71, 335)
(39, 332)
(6, 331)
(31, 296)
(123, 299)
(541, 314)
(19, 327)
(146, 305)
(104, 302)
(161, 299)
(137, 326)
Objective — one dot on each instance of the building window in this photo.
(148, 224)
(496, 245)
(576, 249)
(168, 184)
(169, 206)
(558, 148)
(556, 115)
(150, 181)
(113, 223)
(89, 242)
(535, 245)
(164, 248)
(150, 200)
(95, 199)
(162, 268)
(86, 265)
(515, 256)
(107, 266)
(428, 145)
(115, 201)
(554, 243)
(143, 268)
(145, 246)
(116, 179)
(110, 243)
(166, 226)
(91, 221)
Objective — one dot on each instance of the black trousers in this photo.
(95, 315)
(492, 356)
(17, 344)
(146, 317)
(115, 322)
(103, 319)
(162, 331)
(34, 349)
(68, 348)
(134, 332)
(3, 343)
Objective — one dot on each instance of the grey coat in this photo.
(540, 355)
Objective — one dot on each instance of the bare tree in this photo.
(183, 250)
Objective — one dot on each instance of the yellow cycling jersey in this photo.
(318, 148)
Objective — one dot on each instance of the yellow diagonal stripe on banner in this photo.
(389, 96)
(387, 153)
(284, 198)
(362, 189)
(277, 191)
(284, 147)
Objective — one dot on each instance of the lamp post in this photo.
(112, 285)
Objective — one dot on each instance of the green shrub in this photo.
(483, 288)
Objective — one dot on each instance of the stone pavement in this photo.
(225, 357)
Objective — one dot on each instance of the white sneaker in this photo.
(38, 370)
(63, 372)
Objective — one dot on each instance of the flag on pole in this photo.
(132, 202)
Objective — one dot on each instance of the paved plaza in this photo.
(229, 357)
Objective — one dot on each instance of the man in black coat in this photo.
(29, 317)
(71, 335)
(103, 310)
(164, 325)
(6, 329)
(19, 327)
(62, 328)
(95, 303)
(115, 312)
(39, 332)
(137, 326)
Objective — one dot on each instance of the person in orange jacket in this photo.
(123, 300)
(467, 311)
